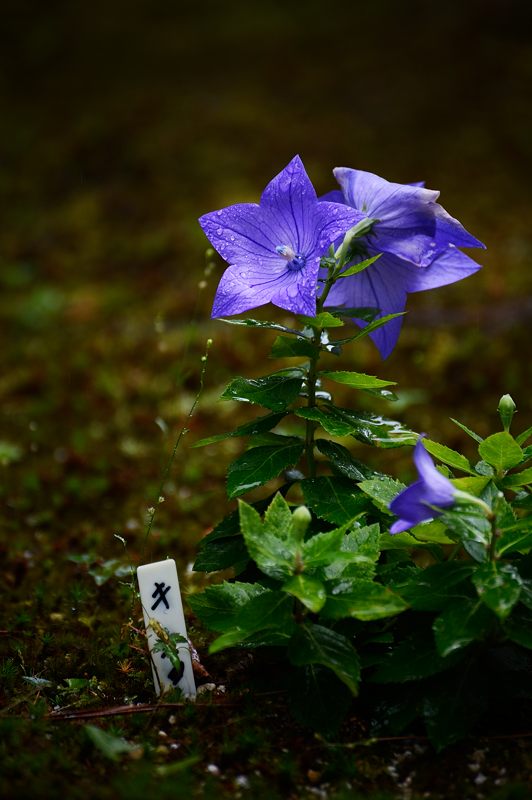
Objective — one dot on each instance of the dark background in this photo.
(122, 122)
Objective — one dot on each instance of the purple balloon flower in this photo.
(274, 248)
(413, 504)
(417, 240)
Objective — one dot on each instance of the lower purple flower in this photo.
(274, 248)
(421, 500)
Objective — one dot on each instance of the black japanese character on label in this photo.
(160, 593)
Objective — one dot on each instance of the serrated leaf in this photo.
(382, 491)
(512, 540)
(276, 391)
(259, 425)
(362, 600)
(366, 427)
(501, 451)
(316, 644)
(342, 461)
(265, 619)
(356, 380)
(322, 320)
(365, 313)
(413, 659)
(217, 606)
(220, 553)
(321, 549)
(278, 518)
(431, 532)
(467, 430)
(275, 556)
(372, 325)
(284, 347)
(336, 500)
(356, 268)
(257, 323)
(310, 591)
(462, 622)
(448, 456)
(521, 439)
(498, 586)
(523, 478)
(358, 555)
(260, 464)
(433, 588)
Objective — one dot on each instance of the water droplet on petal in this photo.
(219, 231)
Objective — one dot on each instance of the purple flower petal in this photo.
(414, 504)
(375, 287)
(274, 248)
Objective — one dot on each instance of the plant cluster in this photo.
(346, 576)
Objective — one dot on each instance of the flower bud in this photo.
(300, 521)
(506, 411)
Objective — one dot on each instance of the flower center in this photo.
(296, 261)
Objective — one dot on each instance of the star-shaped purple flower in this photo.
(274, 248)
(417, 241)
(413, 504)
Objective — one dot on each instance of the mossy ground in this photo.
(119, 129)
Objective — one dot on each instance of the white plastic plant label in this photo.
(163, 615)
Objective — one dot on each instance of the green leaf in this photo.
(275, 556)
(278, 518)
(284, 347)
(310, 591)
(431, 532)
(257, 323)
(356, 380)
(413, 659)
(112, 747)
(472, 485)
(322, 320)
(501, 451)
(366, 427)
(522, 478)
(448, 456)
(362, 600)
(461, 623)
(275, 391)
(342, 461)
(382, 491)
(467, 430)
(357, 557)
(512, 540)
(433, 588)
(221, 554)
(260, 464)
(265, 619)
(322, 549)
(521, 439)
(498, 586)
(217, 606)
(316, 644)
(356, 268)
(336, 500)
(360, 312)
(372, 325)
(259, 425)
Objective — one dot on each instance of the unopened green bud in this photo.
(301, 519)
(506, 411)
